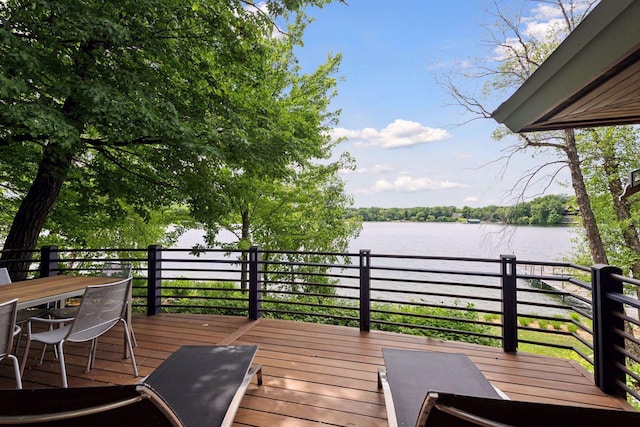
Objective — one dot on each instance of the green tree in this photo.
(609, 154)
(132, 96)
(298, 205)
(519, 53)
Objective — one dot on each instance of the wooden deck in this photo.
(313, 374)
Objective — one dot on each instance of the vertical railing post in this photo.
(154, 280)
(255, 281)
(608, 326)
(365, 290)
(509, 304)
(49, 258)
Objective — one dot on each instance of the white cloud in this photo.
(376, 169)
(408, 184)
(470, 199)
(400, 133)
(545, 23)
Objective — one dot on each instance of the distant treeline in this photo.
(546, 210)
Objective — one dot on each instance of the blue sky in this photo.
(406, 137)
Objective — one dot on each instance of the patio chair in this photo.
(101, 308)
(196, 386)
(204, 385)
(131, 405)
(410, 375)
(109, 269)
(112, 269)
(429, 389)
(9, 330)
(451, 410)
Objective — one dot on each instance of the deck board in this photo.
(313, 374)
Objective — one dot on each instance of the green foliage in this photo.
(609, 154)
(633, 383)
(543, 324)
(525, 321)
(297, 202)
(439, 322)
(490, 317)
(108, 113)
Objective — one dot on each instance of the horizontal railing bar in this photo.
(625, 279)
(438, 271)
(307, 304)
(628, 354)
(582, 284)
(454, 331)
(426, 316)
(310, 294)
(307, 314)
(624, 299)
(433, 305)
(436, 282)
(436, 258)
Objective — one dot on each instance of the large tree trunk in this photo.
(34, 209)
(596, 247)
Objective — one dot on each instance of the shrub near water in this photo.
(438, 322)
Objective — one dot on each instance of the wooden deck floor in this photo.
(313, 374)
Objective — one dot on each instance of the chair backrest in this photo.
(8, 311)
(101, 307)
(5, 279)
(116, 269)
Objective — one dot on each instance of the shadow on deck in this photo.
(313, 374)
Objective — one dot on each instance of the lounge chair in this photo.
(197, 386)
(410, 375)
(444, 409)
(446, 389)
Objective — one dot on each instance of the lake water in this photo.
(443, 240)
(449, 239)
(466, 240)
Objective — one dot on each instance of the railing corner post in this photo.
(607, 318)
(154, 280)
(254, 283)
(365, 290)
(49, 257)
(509, 304)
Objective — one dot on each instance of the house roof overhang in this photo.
(591, 79)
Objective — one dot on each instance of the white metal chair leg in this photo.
(128, 337)
(16, 368)
(26, 350)
(92, 354)
(63, 369)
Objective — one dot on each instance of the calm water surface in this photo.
(444, 240)
(449, 239)
(466, 240)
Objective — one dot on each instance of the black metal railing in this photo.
(591, 312)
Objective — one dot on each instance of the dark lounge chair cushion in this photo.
(199, 382)
(412, 374)
(58, 400)
(521, 414)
